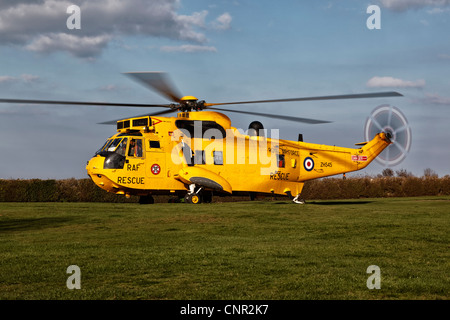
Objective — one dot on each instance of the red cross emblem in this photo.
(156, 169)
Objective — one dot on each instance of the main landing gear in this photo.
(197, 195)
(298, 200)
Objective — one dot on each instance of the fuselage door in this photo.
(156, 159)
(135, 163)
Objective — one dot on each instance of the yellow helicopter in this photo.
(198, 154)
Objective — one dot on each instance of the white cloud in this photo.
(403, 5)
(29, 78)
(223, 22)
(40, 25)
(196, 19)
(436, 99)
(83, 47)
(7, 79)
(188, 48)
(436, 11)
(24, 78)
(390, 82)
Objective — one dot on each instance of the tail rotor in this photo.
(390, 120)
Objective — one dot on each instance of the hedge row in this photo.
(84, 190)
(380, 187)
(69, 190)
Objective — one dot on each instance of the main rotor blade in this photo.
(276, 116)
(158, 81)
(25, 101)
(345, 96)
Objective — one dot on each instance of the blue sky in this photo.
(220, 51)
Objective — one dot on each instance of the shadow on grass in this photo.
(344, 202)
(325, 202)
(11, 225)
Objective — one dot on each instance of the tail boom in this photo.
(321, 161)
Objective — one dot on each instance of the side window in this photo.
(154, 144)
(188, 154)
(199, 157)
(135, 149)
(218, 157)
(281, 162)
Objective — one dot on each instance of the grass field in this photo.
(244, 250)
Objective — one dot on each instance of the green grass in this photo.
(245, 250)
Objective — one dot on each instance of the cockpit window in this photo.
(105, 146)
(112, 147)
(135, 148)
(115, 151)
(122, 148)
(118, 145)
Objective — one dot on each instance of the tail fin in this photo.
(372, 149)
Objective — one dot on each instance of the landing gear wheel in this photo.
(196, 198)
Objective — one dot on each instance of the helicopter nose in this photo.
(93, 168)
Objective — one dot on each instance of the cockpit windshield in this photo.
(118, 145)
(115, 151)
(114, 143)
(105, 146)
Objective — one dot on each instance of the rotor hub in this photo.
(189, 103)
(189, 98)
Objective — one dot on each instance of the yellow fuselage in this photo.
(173, 155)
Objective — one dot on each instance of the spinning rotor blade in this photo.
(158, 81)
(277, 116)
(86, 103)
(389, 119)
(345, 96)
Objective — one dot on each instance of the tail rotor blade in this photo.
(389, 119)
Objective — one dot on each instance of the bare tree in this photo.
(388, 172)
(403, 173)
(429, 173)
